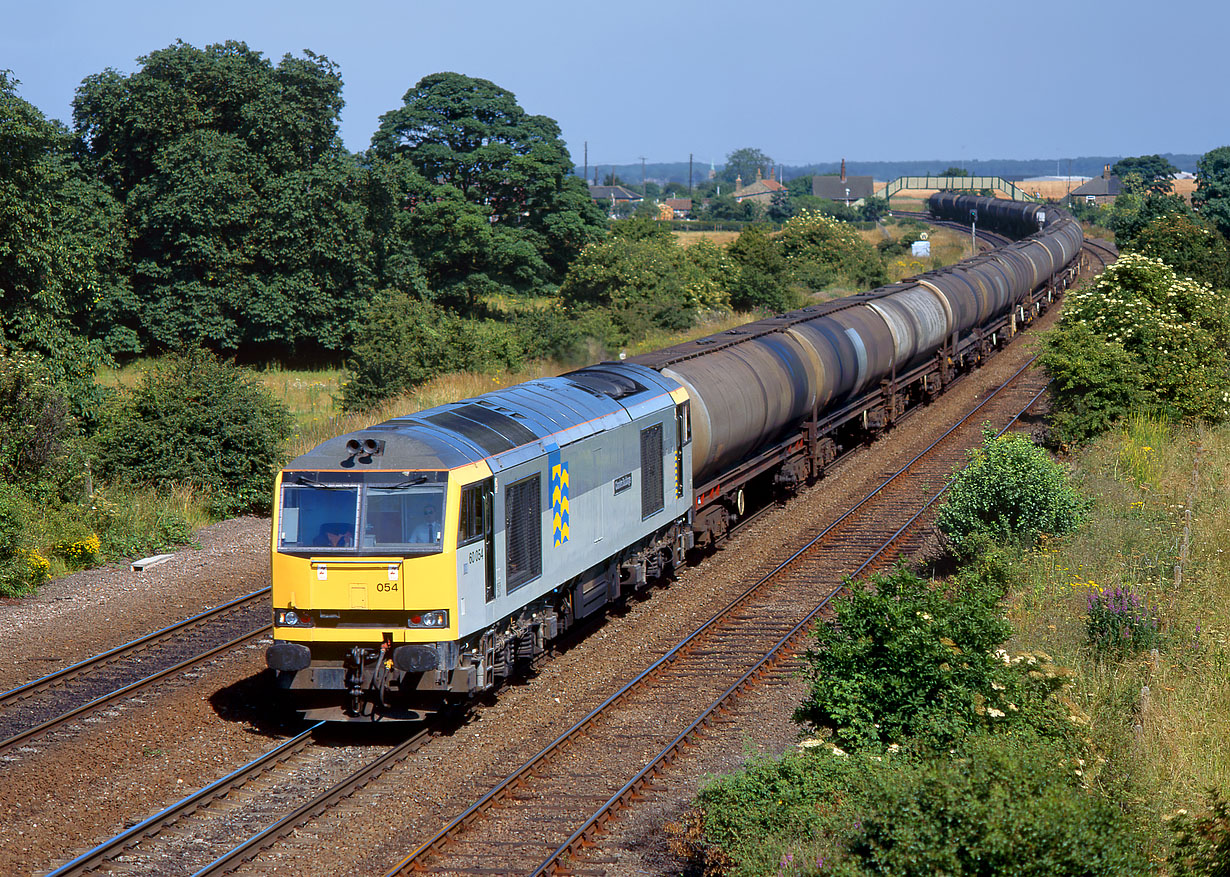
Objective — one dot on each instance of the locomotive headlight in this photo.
(291, 618)
(434, 618)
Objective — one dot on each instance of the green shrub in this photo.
(904, 658)
(760, 278)
(1165, 334)
(1202, 841)
(402, 342)
(78, 553)
(1192, 247)
(997, 804)
(794, 810)
(643, 281)
(197, 420)
(36, 424)
(1005, 804)
(15, 519)
(1010, 492)
(1094, 382)
(821, 251)
(23, 573)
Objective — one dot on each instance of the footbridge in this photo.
(956, 184)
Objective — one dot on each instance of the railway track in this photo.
(1103, 251)
(561, 796)
(287, 785)
(52, 701)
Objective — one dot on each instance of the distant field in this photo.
(721, 238)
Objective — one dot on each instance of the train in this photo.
(421, 561)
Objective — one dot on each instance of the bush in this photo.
(795, 809)
(821, 251)
(644, 282)
(1192, 247)
(1094, 382)
(23, 573)
(1011, 492)
(1174, 331)
(197, 420)
(999, 804)
(905, 659)
(36, 425)
(402, 342)
(1202, 842)
(1006, 804)
(1120, 622)
(760, 278)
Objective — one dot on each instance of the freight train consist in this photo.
(421, 560)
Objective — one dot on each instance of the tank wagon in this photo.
(422, 559)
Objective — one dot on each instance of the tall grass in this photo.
(1161, 721)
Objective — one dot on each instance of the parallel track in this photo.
(53, 700)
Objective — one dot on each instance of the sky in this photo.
(805, 82)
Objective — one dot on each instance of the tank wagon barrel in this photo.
(752, 384)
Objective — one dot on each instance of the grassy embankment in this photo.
(1158, 525)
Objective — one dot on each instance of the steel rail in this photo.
(151, 826)
(135, 645)
(126, 690)
(253, 845)
(476, 809)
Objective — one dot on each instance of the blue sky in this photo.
(803, 81)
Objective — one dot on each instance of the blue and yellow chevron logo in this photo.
(559, 497)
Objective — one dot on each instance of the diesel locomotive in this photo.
(421, 560)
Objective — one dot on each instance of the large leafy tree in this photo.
(62, 243)
(1156, 172)
(245, 210)
(1212, 195)
(503, 200)
(744, 163)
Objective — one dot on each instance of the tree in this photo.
(1189, 245)
(1156, 172)
(1161, 340)
(62, 247)
(761, 280)
(1135, 208)
(243, 206)
(953, 171)
(1212, 195)
(821, 251)
(780, 208)
(744, 163)
(645, 280)
(472, 136)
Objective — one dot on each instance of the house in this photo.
(681, 208)
(851, 190)
(614, 195)
(1099, 190)
(761, 191)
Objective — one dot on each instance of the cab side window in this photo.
(470, 527)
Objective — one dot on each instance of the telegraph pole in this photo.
(689, 175)
(644, 194)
